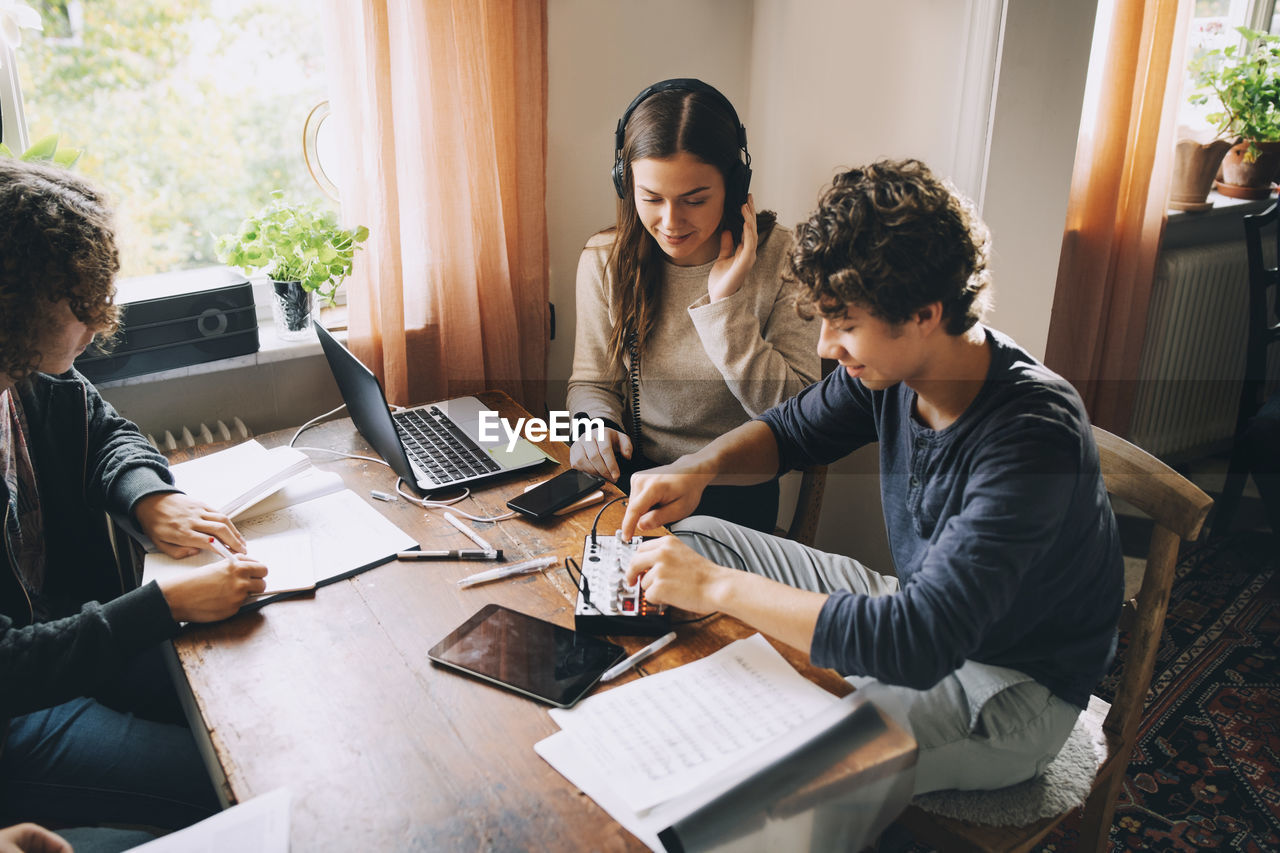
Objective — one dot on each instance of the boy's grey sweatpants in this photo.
(982, 727)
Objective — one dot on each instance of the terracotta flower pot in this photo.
(1194, 168)
(1242, 179)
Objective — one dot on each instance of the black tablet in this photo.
(528, 655)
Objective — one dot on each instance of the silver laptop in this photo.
(435, 446)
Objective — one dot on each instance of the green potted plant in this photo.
(1246, 84)
(303, 250)
(46, 150)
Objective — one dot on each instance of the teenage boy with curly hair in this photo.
(1002, 615)
(90, 730)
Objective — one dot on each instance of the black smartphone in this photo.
(557, 493)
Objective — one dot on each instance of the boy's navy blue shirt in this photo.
(1003, 538)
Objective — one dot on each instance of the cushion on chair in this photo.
(1064, 785)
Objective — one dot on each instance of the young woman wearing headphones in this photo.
(686, 322)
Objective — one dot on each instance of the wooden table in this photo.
(332, 694)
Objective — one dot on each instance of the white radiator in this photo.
(203, 434)
(1192, 361)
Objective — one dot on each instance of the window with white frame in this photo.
(1213, 25)
(189, 113)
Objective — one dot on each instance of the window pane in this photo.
(1212, 8)
(190, 112)
(1212, 26)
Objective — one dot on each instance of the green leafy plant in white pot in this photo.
(304, 251)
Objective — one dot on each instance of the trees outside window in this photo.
(190, 113)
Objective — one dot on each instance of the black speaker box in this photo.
(176, 320)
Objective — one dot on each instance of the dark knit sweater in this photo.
(89, 619)
(1003, 538)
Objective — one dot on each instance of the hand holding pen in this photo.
(216, 591)
(221, 550)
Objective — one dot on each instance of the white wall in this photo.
(822, 84)
(1033, 143)
(836, 84)
(266, 395)
(839, 84)
(599, 56)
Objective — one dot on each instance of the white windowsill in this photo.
(1223, 204)
(1219, 224)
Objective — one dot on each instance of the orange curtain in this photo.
(1116, 210)
(441, 113)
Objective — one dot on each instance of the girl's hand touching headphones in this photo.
(731, 268)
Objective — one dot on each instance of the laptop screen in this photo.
(366, 403)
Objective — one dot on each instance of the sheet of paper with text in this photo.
(665, 734)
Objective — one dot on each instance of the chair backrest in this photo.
(1178, 509)
(804, 521)
(813, 483)
(1264, 328)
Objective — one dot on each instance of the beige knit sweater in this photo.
(707, 367)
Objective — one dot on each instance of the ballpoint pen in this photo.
(459, 554)
(222, 550)
(507, 571)
(467, 531)
(639, 657)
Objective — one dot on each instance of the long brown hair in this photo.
(667, 123)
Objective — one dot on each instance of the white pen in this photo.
(222, 550)
(468, 532)
(639, 657)
(507, 571)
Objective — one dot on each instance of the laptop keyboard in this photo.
(438, 447)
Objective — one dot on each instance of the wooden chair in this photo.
(804, 521)
(1178, 509)
(1264, 330)
(813, 483)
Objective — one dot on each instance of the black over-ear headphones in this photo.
(737, 182)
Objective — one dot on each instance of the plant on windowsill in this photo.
(1247, 87)
(303, 250)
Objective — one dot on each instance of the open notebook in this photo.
(234, 479)
(309, 532)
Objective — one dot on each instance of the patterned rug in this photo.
(1205, 774)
